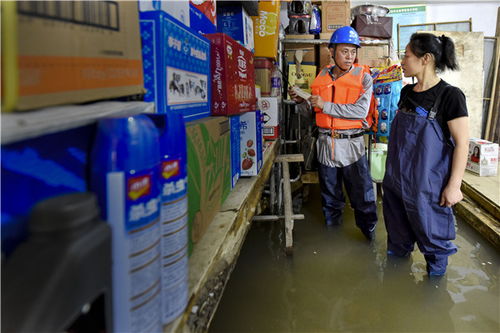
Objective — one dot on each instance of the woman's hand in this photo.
(451, 195)
(294, 96)
(317, 101)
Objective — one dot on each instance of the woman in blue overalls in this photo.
(427, 153)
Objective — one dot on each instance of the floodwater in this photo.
(336, 281)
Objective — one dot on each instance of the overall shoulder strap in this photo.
(437, 103)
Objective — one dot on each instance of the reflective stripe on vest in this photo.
(345, 90)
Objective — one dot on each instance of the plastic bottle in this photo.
(174, 213)
(275, 82)
(125, 163)
(68, 245)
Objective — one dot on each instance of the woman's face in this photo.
(412, 65)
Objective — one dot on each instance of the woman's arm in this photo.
(459, 130)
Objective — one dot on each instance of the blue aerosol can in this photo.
(124, 174)
(174, 213)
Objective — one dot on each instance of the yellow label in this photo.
(304, 80)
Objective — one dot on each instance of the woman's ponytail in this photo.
(448, 58)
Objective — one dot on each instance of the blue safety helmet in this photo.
(345, 35)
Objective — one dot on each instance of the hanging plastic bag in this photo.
(315, 25)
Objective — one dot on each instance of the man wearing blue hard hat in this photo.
(342, 102)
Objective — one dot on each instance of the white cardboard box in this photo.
(179, 9)
(483, 157)
(270, 107)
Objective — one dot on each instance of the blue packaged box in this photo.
(234, 21)
(176, 64)
(199, 22)
(235, 149)
(37, 169)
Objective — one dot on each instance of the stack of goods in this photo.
(334, 14)
(373, 27)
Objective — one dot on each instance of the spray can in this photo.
(124, 173)
(174, 213)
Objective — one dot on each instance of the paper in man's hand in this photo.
(301, 93)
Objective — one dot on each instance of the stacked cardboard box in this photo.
(60, 57)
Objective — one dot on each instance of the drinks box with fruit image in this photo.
(250, 143)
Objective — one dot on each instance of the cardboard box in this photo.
(373, 55)
(209, 174)
(178, 9)
(199, 22)
(251, 143)
(232, 76)
(207, 8)
(263, 73)
(308, 74)
(234, 122)
(234, 21)
(325, 57)
(483, 157)
(309, 53)
(335, 14)
(176, 66)
(266, 29)
(270, 108)
(373, 26)
(54, 57)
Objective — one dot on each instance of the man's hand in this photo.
(317, 101)
(294, 96)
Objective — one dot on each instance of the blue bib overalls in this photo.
(417, 170)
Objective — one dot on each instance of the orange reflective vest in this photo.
(345, 90)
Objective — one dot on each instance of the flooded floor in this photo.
(338, 282)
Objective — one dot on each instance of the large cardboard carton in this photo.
(178, 9)
(483, 157)
(308, 53)
(209, 174)
(234, 21)
(325, 57)
(81, 52)
(176, 66)
(266, 29)
(232, 76)
(373, 55)
(335, 14)
(250, 143)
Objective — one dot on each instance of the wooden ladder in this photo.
(289, 217)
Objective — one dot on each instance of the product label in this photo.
(133, 212)
(174, 238)
(185, 87)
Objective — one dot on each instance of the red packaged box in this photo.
(207, 7)
(233, 76)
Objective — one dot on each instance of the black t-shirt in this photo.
(452, 103)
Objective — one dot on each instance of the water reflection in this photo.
(337, 281)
